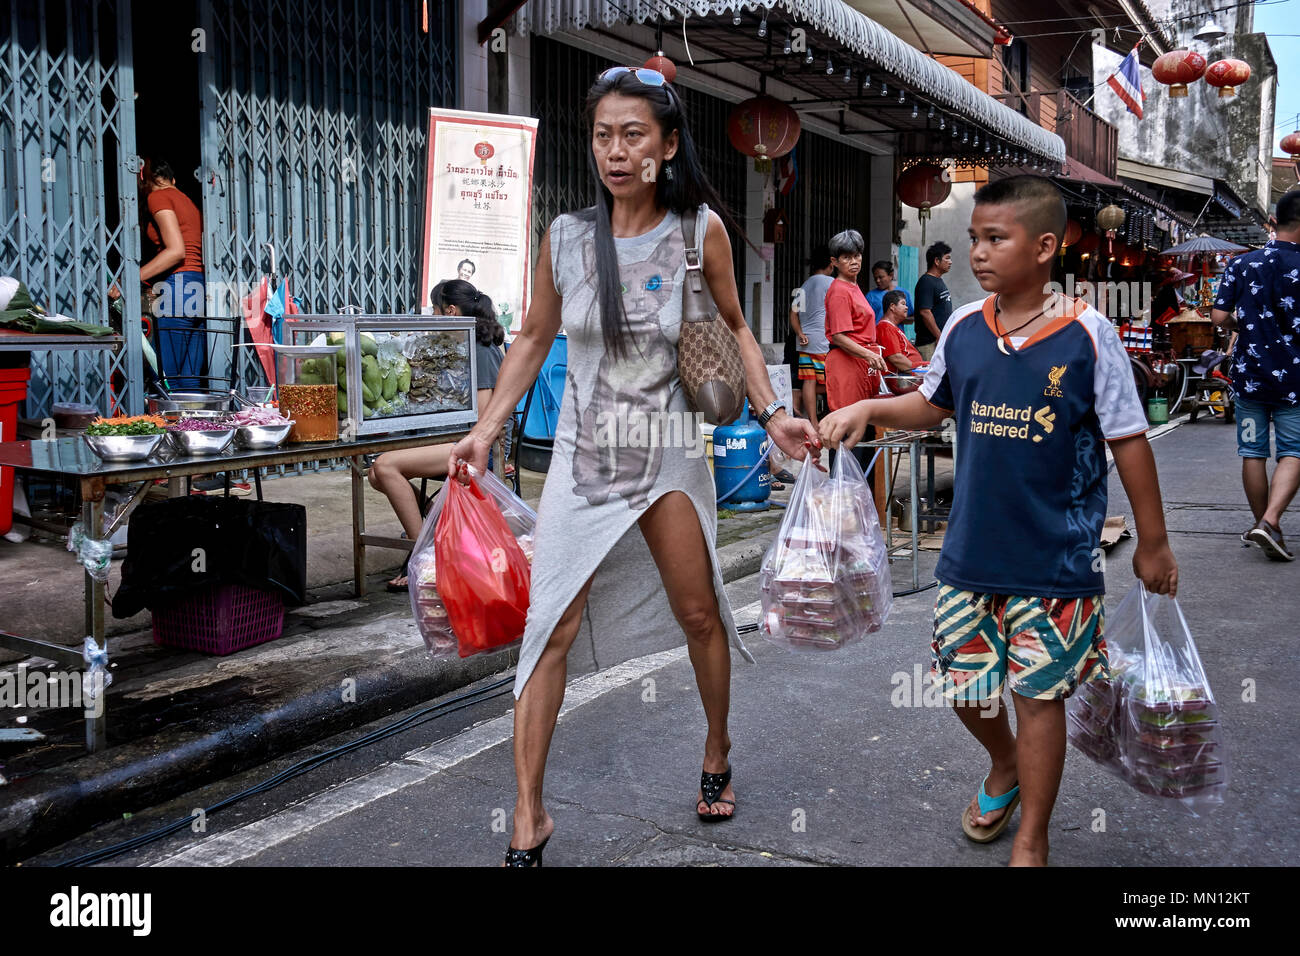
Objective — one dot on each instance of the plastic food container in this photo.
(308, 391)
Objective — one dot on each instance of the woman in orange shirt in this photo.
(174, 276)
(851, 328)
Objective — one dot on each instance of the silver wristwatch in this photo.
(766, 415)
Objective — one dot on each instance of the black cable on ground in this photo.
(488, 692)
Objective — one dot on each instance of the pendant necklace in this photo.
(997, 325)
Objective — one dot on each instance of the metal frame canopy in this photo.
(856, 64)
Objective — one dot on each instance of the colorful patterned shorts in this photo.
(1042, 647)
(812, 366)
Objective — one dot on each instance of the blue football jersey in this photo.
(1029, 496)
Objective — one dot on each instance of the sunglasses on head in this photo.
(643, 73)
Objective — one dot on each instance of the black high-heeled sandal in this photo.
(712, 785)
(531, 857)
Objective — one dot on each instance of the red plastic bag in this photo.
(483, 575)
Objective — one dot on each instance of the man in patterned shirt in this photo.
(1263, 288)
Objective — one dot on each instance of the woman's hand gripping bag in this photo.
(483, 572)
(825, 581)
(1155, 723)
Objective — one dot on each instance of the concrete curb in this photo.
(55, 805)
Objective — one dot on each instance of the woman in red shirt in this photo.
(851, 328)
(174, 276)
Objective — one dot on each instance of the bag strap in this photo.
(694, 257)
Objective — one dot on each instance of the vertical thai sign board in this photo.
(478, 207)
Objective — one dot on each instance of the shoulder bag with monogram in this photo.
(708, 354)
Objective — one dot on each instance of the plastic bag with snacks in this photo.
(1155, 723)
(422, 571)
(825, 580)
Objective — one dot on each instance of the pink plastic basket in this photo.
(220, 619)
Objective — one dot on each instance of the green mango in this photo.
(367, 411)
(309, 367)
(336, 338)
(390, 385)
(384, 408)
(310, 378)
(370, 376)
(368, 344)
(368, 394)
(404, 379)
(343, 402)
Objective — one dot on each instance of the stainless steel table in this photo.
(72, 458)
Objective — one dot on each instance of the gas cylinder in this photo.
(737, 449)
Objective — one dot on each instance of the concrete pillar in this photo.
(880, 228)
(756, 295)
(473, 58)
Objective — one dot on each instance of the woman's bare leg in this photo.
(536, 711)
(672, 530)
(391, 474)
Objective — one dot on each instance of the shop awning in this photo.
(933, 28)
(1164, 176)
(832, 25)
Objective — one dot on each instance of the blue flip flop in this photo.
(1009, 800)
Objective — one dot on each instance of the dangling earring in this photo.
(668, 171)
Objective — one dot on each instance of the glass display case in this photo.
(396, 372)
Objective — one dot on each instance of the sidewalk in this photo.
(177, 719)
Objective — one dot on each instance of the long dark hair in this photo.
(680, 191)
(469, 301)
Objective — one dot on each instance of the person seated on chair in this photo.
(392, 471)
(900, 353)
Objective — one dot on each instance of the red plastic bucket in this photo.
(13, 392)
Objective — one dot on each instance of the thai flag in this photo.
(1127, 82)
(787, 171)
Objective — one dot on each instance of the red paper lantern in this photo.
(664, 65)
(484, 152)
(1087, 243)
(1178, 68)
(923, 186)
(764, 128)
(1291, 143)
(1073, 232)
(1227, 75)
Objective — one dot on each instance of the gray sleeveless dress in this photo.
(625, 437)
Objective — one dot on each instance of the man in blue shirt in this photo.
(1263, 288)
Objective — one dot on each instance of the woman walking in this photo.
(626, 520)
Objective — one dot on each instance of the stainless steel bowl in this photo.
(902, 383)
(199, 443)
(124, 447)
(189, 402)
(263, 436)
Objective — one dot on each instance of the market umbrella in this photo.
(1202, 244)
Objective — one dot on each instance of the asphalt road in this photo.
(828, 769)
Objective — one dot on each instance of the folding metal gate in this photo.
(68, 208)
(315, 117)
(832, 193)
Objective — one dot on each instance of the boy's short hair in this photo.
(892, 298)
(846, 243)
(884, 264)
(1288, 210)
(936, 252)
(1042, 207)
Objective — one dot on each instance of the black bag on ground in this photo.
(177, 546)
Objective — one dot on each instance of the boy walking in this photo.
(1037, 383)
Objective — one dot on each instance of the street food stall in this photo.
(425, 368)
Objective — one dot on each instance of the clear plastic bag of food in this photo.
(825, 580)
(1155, 723)
(422, 572)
